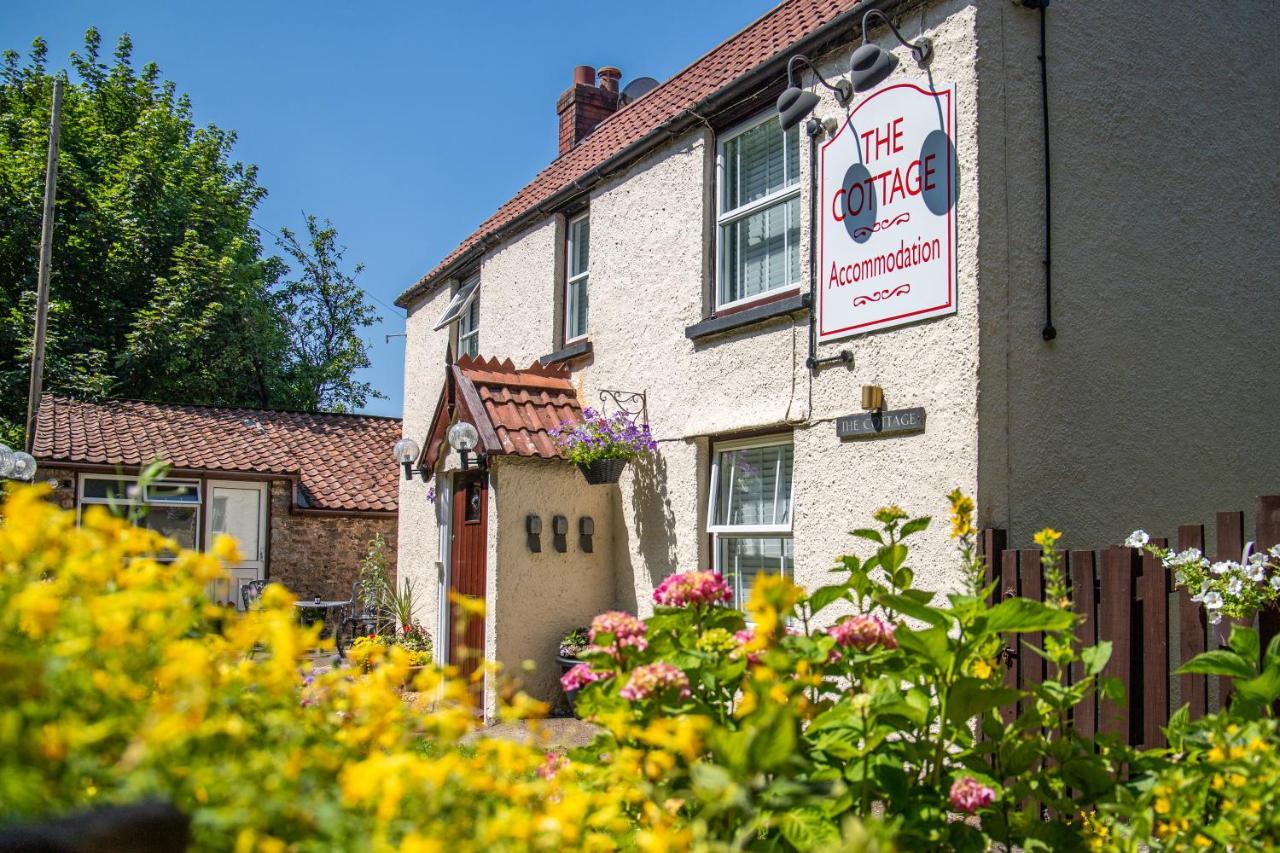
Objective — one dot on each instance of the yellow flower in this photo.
(1047, 538)
(1161, 805)
(961, 514)
(983, 669)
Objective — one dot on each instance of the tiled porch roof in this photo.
(512, 409)
(342, 461)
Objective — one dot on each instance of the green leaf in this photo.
(1025, 615)
(915, 525)
(1218, 662)
(773, 741)
(1263, 689)
(892, 556)
(809, 828)
(971, 697)
(1095, 657)
(911, 607)
(1244, 642)
(931, 644)
(1272, 658)
(868, 533)
(826, 595)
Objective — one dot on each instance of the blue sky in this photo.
(406, 124)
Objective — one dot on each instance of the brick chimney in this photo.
(584, 104)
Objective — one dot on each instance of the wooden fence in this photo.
(1127, 596)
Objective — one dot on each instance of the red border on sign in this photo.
(822, 220)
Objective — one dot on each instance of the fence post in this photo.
(1030, 664)
(1267, 534)
(1155, 648)
(1115, 621)
(1009, 589)
(1085, 599)
(1191, 630)
(1229, 545)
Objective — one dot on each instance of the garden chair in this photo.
(356, 622)
(250, 592)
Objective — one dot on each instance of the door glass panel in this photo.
(472, 507)
(237, 513)
(743, 560)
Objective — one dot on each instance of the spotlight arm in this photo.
(921, 48)
(842, 89)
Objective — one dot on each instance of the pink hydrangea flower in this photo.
(692, 588)
(627, 631)
(968, 795)
(552, 766)
(864, 632)
(580, 676)
(655, 678)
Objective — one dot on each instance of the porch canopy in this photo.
(513, 410)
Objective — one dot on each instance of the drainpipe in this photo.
(1048, 332)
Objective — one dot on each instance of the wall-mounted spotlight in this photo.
(464, 438)
(795, 103)
(559, 533)
(871, 64)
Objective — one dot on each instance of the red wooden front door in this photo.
(467, 566)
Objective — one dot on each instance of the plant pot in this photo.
(602, 471)
(567, 664)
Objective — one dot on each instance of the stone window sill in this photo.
(759, 314)
(573, 350)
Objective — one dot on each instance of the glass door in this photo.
(239, 510)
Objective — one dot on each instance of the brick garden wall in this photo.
(320, 554)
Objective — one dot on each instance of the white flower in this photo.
(1275, 581)
(1137, 539)
(1235, 586)
(1220, 568)
(1212, 600)
(1254, 572)
(1215, 616)
(1274, 551)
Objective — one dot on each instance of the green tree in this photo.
(325, 310)
(161, 289)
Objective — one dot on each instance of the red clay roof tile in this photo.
(343, 461)
(776, 31)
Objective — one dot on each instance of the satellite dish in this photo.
(637, 88)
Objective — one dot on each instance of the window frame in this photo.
(748, 531)
(464, 317)
(196, 506)
(725, 218)
(570, 279)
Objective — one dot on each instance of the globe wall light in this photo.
(464, 438)
(872, 64)
(405, 452)
(795, 103)
(16, 465)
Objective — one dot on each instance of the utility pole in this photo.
(46, 263)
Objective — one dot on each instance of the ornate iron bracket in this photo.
(633, 404)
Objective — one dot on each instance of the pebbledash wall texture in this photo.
(1159, 304)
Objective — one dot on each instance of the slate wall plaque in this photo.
(877, 424)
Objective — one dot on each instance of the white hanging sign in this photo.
(887, 219)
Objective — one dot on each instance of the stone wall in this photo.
(320, 554)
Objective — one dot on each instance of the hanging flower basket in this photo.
(602, 446)
(603, 471)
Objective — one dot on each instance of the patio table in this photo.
(327, 605)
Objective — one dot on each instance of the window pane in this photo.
(176, 522)
(576, 310)
(760, 161)
(741, 561)
(116, 490)
(761, 251)
(469, 329)
(754, 486)
(579, 246)
(173, 492)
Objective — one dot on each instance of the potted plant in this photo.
(602, 446)
(572, 645)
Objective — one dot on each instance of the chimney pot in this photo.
(609, 77)
(584, 75)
